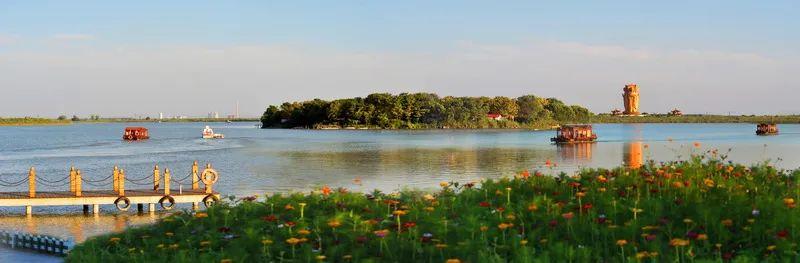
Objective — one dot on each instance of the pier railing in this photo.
(38, 243)
(159, 189)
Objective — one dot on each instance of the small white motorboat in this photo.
(208, 133)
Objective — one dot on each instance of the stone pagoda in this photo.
(631, 99)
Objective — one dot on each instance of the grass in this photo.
(605, 118)
(28, 121)
(705, 209)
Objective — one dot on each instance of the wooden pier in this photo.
(161, 192)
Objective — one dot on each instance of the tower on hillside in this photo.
(630, 97)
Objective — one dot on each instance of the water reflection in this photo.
(632, 154)
(579, 152)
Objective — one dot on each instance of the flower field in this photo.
(703, 209)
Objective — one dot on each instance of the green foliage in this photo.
(705, 209)
(692, 118)
(31, 121)
(421, 110)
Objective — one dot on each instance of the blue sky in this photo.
(437, 42)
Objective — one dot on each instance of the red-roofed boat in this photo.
(135, 134)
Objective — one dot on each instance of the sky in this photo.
(190, 58)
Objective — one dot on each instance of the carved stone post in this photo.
(115, 174)
(195, 184)
(121, 183)
(72, 179)
(166, 181)
(32, 182)
(156, 178)
(78, 183)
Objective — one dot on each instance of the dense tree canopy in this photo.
(422, 110)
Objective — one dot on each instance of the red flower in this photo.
(525, 174)
(224, 229)
(587, 206)
(782, 234)
(538, 174)
(326, 190)
(484, 204)
(553, 223)
(409, 224)
(270, 218)
(290, 223)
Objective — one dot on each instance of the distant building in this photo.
(675, 112)
(631, 99)
(616, 112)
(495, 116)
(213, 115)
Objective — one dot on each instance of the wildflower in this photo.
(523, 242)
(381, 233)
(270, 218)
(687, 221)
(303, 232)
(503, 226)
(708, 182)
(409, 224)
(580, 194)
(771, 247)
(453, 260)
(677, 242)
(326, 190)
(642, 255)
(201, 215)
(444, 184)
(677, 184)
(347, 257)
(696, 145)
(602, 179)
(205, 243)
(484, 204)
(727, 222)
(543, 241)
(266, 242)
(227, 260)
(428, 197)
(113, 240)
(320, 257)
(169, 234)
(622, 242)
(484, 228)
(160, 246)
(601, 189)
(400, 212)
(782, 234)
(756, 212)
(702, 237)
(288, 207)
(293, 241)
(568, 216)
(174, 246)
(441, 246)
(532, 207)
(334, 223)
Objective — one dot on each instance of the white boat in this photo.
(208, 133)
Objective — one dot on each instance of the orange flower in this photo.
(708, 182)
(399, 212)
(444, 184)
(789, 202)
(622, 242)
(357, 181)
(677, 242)
(334, 223)
(293, 241)
(303, 232)
(288, 207)
(568, 216)
(727, 222)
(532, 207)
(326, 191)
(696, 145)
(503, 226)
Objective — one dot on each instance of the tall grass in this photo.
(704, 209)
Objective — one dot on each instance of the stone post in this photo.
(195, 184)
(166, 181)
(156, 178)
(121, 183)
(72, 179)
(32, 182)
(78, 183)
(115, 174)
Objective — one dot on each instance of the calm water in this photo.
(254, 161)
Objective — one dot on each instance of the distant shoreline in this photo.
(8, 122)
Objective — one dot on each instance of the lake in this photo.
(256, 161)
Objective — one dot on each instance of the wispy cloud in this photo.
(7, 39)
(72, 37)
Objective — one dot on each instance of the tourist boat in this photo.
(574, 134)
(766, 129)
(135, 134)
(208, 133)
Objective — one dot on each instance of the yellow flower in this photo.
(708, 182)
(429, 208)
(303, 232)
(523, 242)
(702, 237)
(292, 241)
(334, 223)
(727, 222)
(771, 247)
(266, 242)
(173, 246)
(399, 212)
(347, 257)
(677, 242)
(622, 242)
(543, 241)
(503, 226)
(201, 215)
(687, 221)
(227, 260)
(453, 260)
(320, 258)
(441, 246)
(205, 243)
(484, 228)
(580, 194)
(601, 189)
(533, 207)
(642, 255)
(444, 184)
(169, 234)
(114, 239)
(428, 197)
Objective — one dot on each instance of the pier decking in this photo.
(161, 193)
